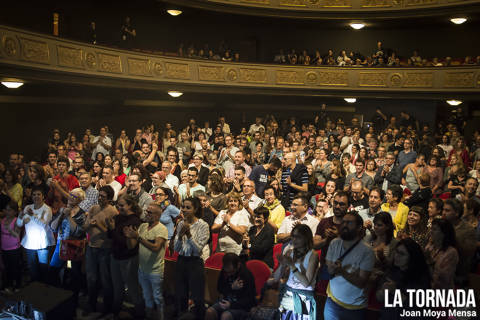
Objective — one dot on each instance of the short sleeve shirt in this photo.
(359, 258)
(151, 262)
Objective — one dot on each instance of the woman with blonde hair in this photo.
(231, 224)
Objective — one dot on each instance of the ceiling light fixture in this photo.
(357, 26)
(350, 100)
(458, 20)
(453, 102)
(12, 84)
(174, 12)
(175, 94)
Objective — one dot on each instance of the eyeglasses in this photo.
(336, 203)
(73, 195)
(160, 194)
(192, 175)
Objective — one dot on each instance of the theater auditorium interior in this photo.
(238, 159)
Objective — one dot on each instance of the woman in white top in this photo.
(232, 224)
(300, 262)
(38, 238)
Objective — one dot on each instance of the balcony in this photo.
(31, 56)
(311, 9)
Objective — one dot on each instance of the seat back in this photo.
(261, 272)
(215, 260)
(214, 242)
(277, 250)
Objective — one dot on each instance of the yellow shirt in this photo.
(17, 194)
(400, 218)
(277, 213)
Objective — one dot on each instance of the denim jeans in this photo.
(125, 273)
(333, 311)
(97, 267)
(152, 289)
(37, 261)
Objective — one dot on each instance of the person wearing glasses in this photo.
(350, 262)
(69, 225)
(151, 239)
(299, 216)
(389, 173)
(169, 211)
(135, 189)
(186, 190)
(329, 228)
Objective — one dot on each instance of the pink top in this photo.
(9, 242)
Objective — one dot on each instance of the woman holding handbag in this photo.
(70, 241)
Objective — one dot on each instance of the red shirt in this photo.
(121, 179)
(68, 183)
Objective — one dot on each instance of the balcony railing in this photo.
(31, 52)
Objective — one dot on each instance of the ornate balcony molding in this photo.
(322, 8)
(319, 5)
(21, 50)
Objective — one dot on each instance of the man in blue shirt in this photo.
(407, 155)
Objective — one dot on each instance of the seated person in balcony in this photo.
(227, 56)
(436, 62)
(317, 60)
(329, 59)
(213, 56)
(416, 59)
(236, 287)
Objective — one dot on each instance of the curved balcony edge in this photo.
(26, 50)
(311, 9)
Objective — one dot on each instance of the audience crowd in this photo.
(380, 56)
(340, 211)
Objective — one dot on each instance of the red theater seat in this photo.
(214, 242)
(261, 272)
(215, 261)
(277, 250)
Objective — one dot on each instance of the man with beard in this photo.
(260, 173)
(350, 262)
(135, 189)
(471, 186)
(359, 175)
(186, 190)
(375, 199)
(329, 228)
(51, 166)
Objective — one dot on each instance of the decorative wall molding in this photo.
(337, 5)
(31, 52)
